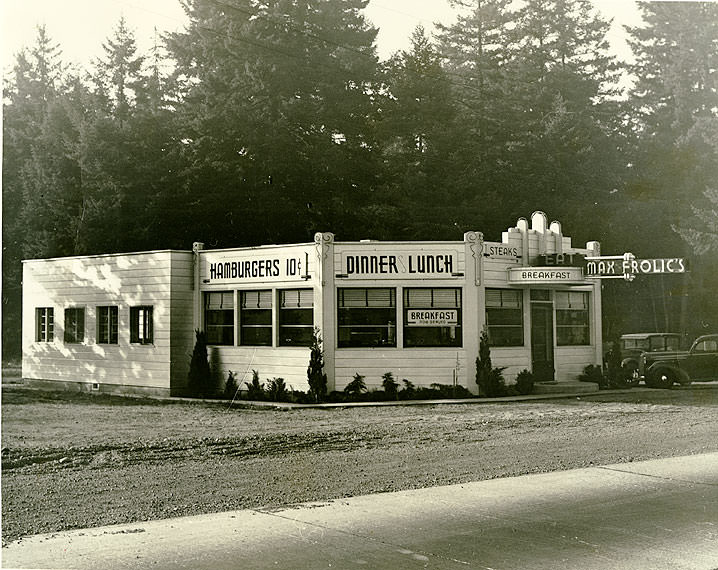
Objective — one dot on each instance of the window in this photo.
(367, 317)
(141, 325)
(296, 317)
(107, 325)
(255, 318)
(219, 317)
(572, 318)
(505, 317)
(44, 324)
(432, 317)
(74, 325)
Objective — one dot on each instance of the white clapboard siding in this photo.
(289, 363)
(419, 366)
(181, 320)
(571, 360)
(112, 280)
(514, 359)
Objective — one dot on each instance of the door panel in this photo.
(542, 362)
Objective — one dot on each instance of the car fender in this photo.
(681, 375)
(629, 361)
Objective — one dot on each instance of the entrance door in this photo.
(542, 341)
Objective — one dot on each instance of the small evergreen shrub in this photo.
(356, 387)
(277, 390)
(593, 373)
(230, 386)
(489, 379)
(524, 382)
(255, 389)
(315, 371)
(408, 392)
(199, 379)
(390, 386)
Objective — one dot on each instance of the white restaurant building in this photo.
(125, 323)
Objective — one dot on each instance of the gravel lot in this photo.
(81, 460)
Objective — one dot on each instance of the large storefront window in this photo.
(504, 317)
(572, 318)
(367, 317)
(296, 317)
(255, 318)
(432, 317)
(219, 317)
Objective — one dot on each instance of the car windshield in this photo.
(635, 343)
(664, 343)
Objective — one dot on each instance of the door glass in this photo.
(542, 341)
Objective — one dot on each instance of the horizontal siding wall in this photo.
(181, 320)
(113, 280)
(571, 360)
(282, 362)
(421, 367)
(514, 359)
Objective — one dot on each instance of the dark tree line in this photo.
(263, 123)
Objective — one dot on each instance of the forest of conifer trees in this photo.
(265, 122)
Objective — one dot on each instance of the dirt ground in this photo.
(81, 460)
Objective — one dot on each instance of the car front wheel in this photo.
(662, 379)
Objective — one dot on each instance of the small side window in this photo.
(141, 325)
(74, 325)
(44, 324)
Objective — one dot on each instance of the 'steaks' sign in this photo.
(609, 267)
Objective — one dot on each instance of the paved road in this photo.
(659, 515)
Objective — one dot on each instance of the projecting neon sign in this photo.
(626, 266)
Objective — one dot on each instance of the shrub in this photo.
(390, 386)
(524, 382)
(408, 392)
(255, 389)
(356, 386)
(199, 379)
(592, 373)
(489, 379)
(230, 386)
(277, 390)
(315, 371)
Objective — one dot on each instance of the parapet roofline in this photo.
(99, 255)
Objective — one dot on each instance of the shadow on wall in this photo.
(162, 280)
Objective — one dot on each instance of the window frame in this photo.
(434, 304)
(107, 332)
(74, 328)
(561, 312)
(144, 334)
(44, 324)
(368, 330)
(220, 326)
(288, 314)
(520, 325)
(257, 313)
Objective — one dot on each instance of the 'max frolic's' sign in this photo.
(400, 265)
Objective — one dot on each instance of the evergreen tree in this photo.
(415, 130)
(316, 376)
(277, 115)
(674, 157)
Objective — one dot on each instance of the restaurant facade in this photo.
(125, 323)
